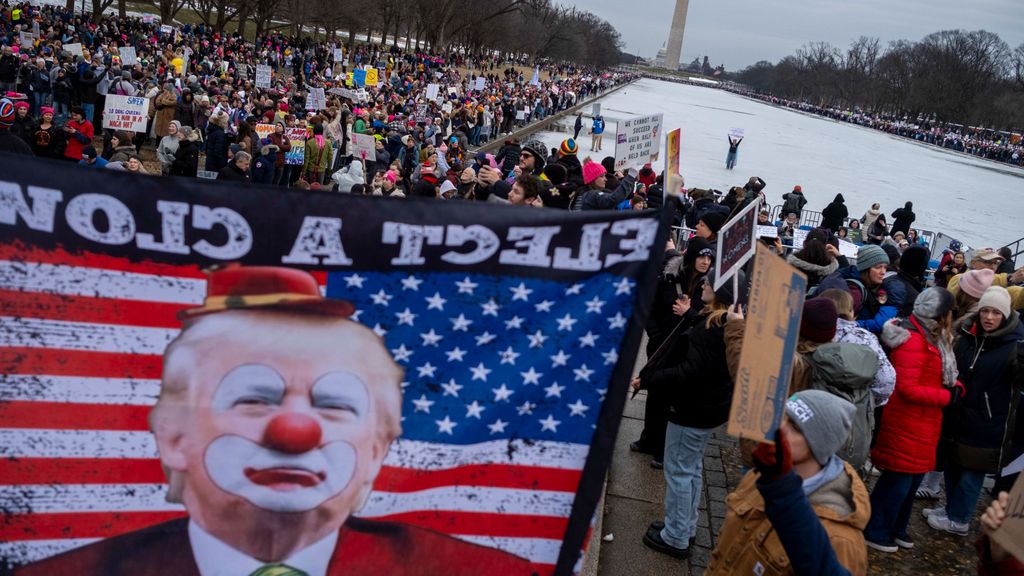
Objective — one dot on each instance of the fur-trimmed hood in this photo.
(894, 334)
(816, 269)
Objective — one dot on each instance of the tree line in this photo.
(964, 77)
(535, 28)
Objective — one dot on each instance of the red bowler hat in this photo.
(237, 287)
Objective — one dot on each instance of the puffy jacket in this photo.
(875, 312)
(216, 148)
(981, 425)
(912, 420)
(835, 214)
(263, 168)
(748, 543)
(594, 199)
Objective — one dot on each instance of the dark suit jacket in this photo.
(365, 547)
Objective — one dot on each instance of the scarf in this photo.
(832, 469)
(933, 334)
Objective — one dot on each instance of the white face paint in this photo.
(238, 461)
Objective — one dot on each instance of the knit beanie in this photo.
(933, 303)
(976, 282)
(725, 293)
(869, 255)
(996, 297)
(609, 163)
(823, 418)
(591, 171)
(556, 174)
(568, 147)
(6, 113)
(914, 261)
(714, 221)
(818, 323)
(697, 246)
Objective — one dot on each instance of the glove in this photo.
(773, 462)
(956, 393)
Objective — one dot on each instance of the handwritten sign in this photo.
(481, 83)
(297, 138)
(338, 55)
(736, 241)
(316, 99)
(673, 176)
(736, 133)
(166, 29)
(767, 232)
(848, 249)
(130, 113)
(128, 55)
(637, 141)
(26, 39)
(433, 90)
(74, 49)
(264, 74)
(364, 143)
(1011, 534)
(769, 343)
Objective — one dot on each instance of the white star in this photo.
(446, 425)
(405, 317)
(537, 339)
(566, 322)
(485, 338)
(354, 281)
(574, 289)
(624, 286)
(379, 330)
(461, 323)
(411, 283)
(578, 408)
(617, 321)
(588, 339)
(544, 306)
(423, 405)
(508, 356)
(560, 359)
(490, 308)
(611, 356)
(401, 353)
(450, 387)
(553, 390)
(502, 393)
(404, 385)
(531, 376)
(355, 315)
(514, 322)
(594, 305)
(549, 423)
(456, 354)
(480, 372)
(381, 298)
(431, 338)
(521, 292)
(474, 410)
(526, 408)
(427, 370)
(583, 373)
(435, 302)
(498, 426)
(466, 286)
(602, 392)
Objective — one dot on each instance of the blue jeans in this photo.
(684, 480)
(39, 99)
(892, 500)
(963, 487)
(730, 160)
(89, 110)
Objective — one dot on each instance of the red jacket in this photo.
(912, 420)
(79, 140)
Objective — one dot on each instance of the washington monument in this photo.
(675, 36)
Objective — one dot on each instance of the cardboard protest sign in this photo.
(129, 113)
(673, 176)
(128, 55)
(74, 49)
(637, 141)
(264, 76)
(736, 242)
(410, 378)
(432, 91)
(1011, 534)
(774, 307)
(767, 231)
(364, 143)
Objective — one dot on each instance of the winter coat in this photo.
(573, 169)
(165, 151)
(594, 199)
(815, 272)
(911, 288)
(912, 420)
(875, 233)
(263, 168)
(793, 202)
(874, 312)
(186, 159)
(904, 217)
(835, 214)
(885, 378)
(165, 107)
(869, 218)
(698, 386)
(982, 424)
(748, 543)
(701, 207)
(79, 140)
(672, 285)
(232, 173)
(216, 148)
(284, 145)
(349, 176)
(508, 157)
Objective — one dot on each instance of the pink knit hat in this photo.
(592, 171)
(975, 282)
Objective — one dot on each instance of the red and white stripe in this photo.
(81, 339)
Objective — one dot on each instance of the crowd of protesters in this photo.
(982, 142)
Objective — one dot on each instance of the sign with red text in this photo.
(130, 113)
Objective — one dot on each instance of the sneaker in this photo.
(939, 512)
(906, 541)
(887, 547)
(944, 524)
(927, 493)
(639, 446)
(657, 464)
(658, 525)
(652, 539)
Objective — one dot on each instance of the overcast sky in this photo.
(740, 32)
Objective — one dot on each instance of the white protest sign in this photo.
(520, 114)
(224, 65)
(433, 90)
(481, 83)
(361, 95)
(26, 39)
(316, 99)
(798, 238)
(338, 55)
(35, 29)
(130, 113)
(207, 174)
(263, 76)
(364, 143)
(73, 49)
(128, 55)
(166, 29)
(736, 133)
(767, 231)
(638, 141)
(848, 249)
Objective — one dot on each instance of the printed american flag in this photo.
(504, 382)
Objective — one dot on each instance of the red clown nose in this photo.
(292, 433)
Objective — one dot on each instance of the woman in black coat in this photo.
(835, 214)
(217, 143)
(186, 158)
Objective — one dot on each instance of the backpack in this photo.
(848, 370)
(792, 204)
